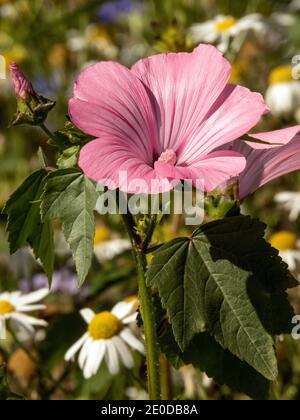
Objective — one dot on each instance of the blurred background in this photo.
(52, 40)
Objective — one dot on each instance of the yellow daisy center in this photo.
(225, 24)
(284, 240)
(6, 307)
(102, 234)
(104, 326)
(281, 74)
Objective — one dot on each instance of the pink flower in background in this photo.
(21, 84)
(264, 165)
(163, 120)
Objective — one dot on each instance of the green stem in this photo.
(148, 315)
(48, 132)
(150, 232)
(147, 310)
(166, 380)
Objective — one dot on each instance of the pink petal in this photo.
(235, 112)
(274, 138)
(21, 84)
(108, 99)
(114, 164)
(265, 165)
(185, 86)
(213, 170)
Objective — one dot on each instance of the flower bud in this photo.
(31, 107)
(22, 86)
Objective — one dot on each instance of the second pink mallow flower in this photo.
(265, 165)
(162, 120)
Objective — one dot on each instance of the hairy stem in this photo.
(147, 310)
(166, 380)
(148, 316)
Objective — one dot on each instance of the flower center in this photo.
(281, 74)
(6, 307)
(102, 234)
(225, 24)
(104, 325)
(284, 241)
(168, 156)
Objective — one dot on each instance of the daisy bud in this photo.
(31, 107)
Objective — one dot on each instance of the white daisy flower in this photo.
(288, 246)
(108, 338)
(14, 305)
(283, 93)
(107, 248)
(290, 201)
(111, 249)
(222, 29)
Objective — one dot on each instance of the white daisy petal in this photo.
(100, 352)
(33, 297)
(131, 340)
(91, 360)
(122, 309)
(87, 372)
(2, 328)
(28, 320)
(110, 249)
(75, 348)
(20, 320)
(284, 196)
(84, 352)
(30, 308)
(111, 357)
(4, 296)
(124, 352)
(294, 213)
(87, 314)
(288, 257)
(14, 297)
(129, 319)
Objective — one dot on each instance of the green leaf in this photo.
(225, 279)
(207, 355)
(42, 158)
(43, 246)
(71, 196)
(24, 223)
(68, 158)
(70, 135)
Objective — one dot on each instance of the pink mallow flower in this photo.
(264, 165)
(21, 84)
(162, 120)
